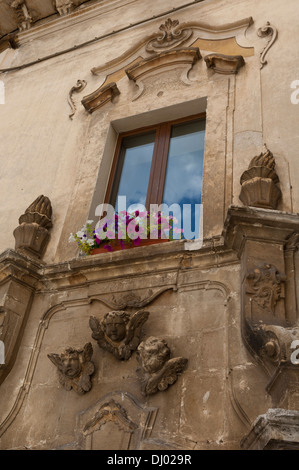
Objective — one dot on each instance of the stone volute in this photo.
(259, 182)
(32, 235)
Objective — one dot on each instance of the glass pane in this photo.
(183, 183)
(133, 171)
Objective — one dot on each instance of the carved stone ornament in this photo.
(224, 64)
(259, 182)
(178, 61)
(157, 371)
(110, 411)
(100, 97)
(24, 18)
(32, 235)
(119, 332)
(266, 286)
(172, 36)
(271, 33)
(64, 7)
(277, 429)
(75, 368)
(81, 84)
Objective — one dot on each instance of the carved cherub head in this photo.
(153, 353)
(70, 363)
(74, 368)
(118, 332)
(157, 371)
(115, 325)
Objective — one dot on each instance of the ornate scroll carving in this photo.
(24, 18)
(259, 182)
(265, 285)
(172, 36)
(156, 370)
(64, 7)
(100, 97)
(81, 84)
(224, 64)
(119, 332)
(32, 235)
(270, 32)
(75, 368)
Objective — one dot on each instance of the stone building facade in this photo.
(205, 354)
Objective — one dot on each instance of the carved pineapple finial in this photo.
(259, 182)
(32, 235)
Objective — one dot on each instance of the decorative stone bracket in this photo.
(19, 277)
(100, 97)
(266, 241)
(224, 64)
(23, 15)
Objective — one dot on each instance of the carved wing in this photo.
(87, 352)
(56, 359)
(97, 332)
(136, 321)
(170, 371)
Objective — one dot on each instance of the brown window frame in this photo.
(159, 160)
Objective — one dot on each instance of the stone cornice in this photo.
(172, 256)
(81, 14)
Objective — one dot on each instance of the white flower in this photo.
(89, 222)
(90, 241)
(71, 238)
(80, 234)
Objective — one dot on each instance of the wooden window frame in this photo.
(159, 160)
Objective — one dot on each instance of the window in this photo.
(160, 164)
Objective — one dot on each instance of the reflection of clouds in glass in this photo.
(184, 179)
(135, 173)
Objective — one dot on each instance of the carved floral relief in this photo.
(265, 283)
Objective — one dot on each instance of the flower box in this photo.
(118, 247)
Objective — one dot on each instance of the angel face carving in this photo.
(156, 370)
(75, 368)
(119, 332)
(115, 324)
(153, 354)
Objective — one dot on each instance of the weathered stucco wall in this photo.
(198, 300)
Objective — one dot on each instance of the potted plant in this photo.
(126, 230)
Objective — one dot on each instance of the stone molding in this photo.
(181, 60)
(100, 97)
(224, 64)
(278, 429)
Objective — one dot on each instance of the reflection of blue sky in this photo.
(135, 173)
(183, 182)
